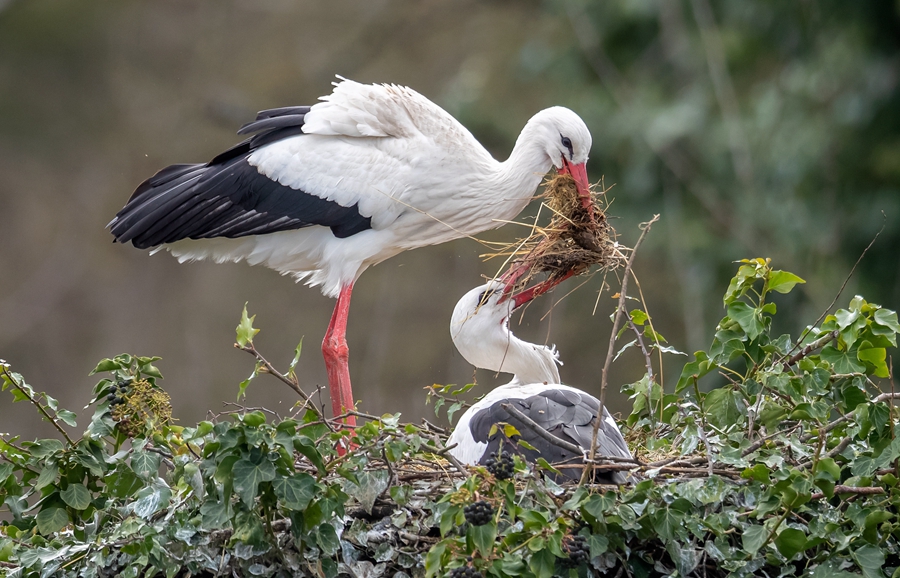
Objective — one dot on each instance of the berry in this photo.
(578, 550)
(465, 572)
(110, 397)
(501, 466)
(479, 513)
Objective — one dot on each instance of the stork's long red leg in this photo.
(336, 352)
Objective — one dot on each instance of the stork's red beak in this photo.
(579, 173)
(526, 295)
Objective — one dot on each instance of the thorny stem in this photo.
(620, 309)
(36, 403)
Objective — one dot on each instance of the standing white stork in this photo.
(323, 192)
(480, 330)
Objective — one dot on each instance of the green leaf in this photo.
(790, 542)
(542, 564)
(297, 351)
(50, 520)
(105, 365)
(254, 419)
(783, 281)
(638, 317)
(327, 539)
(77, 496)
(753, 538)
(245, 330)
(749, 318)
(870, 560)
(434, 560)
(295, 492)
(248, 475)
(842, 361)
(875, 356)
(67, 417)
(145, 463)
(483, 537)
(215, 514)
(694, 370)
(723, 407)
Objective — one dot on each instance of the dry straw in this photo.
(572, 242)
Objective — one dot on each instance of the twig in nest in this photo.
(620, 310)
(445, 453)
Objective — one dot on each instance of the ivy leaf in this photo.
(245, 329)
(875, 356)
(842, 361)
(248, 476)
(694, 370)
(871, 560)
(297, 351)
(144, 463)
(50, 520)
(783, 281)
(483, 537)
(790, 542)
(723, 407)
(542, 564)
(67, 417)
(105, 365)
(327, 539)
(753, 538)
(295, 492)
(76, 496)
(434, 560)
(214, 514)
(749, 318)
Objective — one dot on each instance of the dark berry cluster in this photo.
(479, 513)
(465, 572)
(578, 550)
(117, 395)
(501, 466)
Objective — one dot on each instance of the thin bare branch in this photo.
(620, 309)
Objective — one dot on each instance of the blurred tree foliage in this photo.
(754, 128)
(769, 127)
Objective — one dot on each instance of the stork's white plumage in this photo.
(323, 192)
(480, 331)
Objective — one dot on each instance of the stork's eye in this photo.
(484, 296)
(567, 142)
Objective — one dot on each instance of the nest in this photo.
(573, 241)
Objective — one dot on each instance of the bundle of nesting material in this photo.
(573, 241)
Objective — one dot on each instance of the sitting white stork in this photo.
(323, 192)
(480, 331)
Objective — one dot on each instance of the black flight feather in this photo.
(229, 197)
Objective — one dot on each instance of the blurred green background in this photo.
(755, 128)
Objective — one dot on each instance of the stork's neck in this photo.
(485, 341)
(525, 168)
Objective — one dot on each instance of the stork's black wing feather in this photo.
(566, 414)
(229, 197)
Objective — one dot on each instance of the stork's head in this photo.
(480, 330)
(567, 141)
